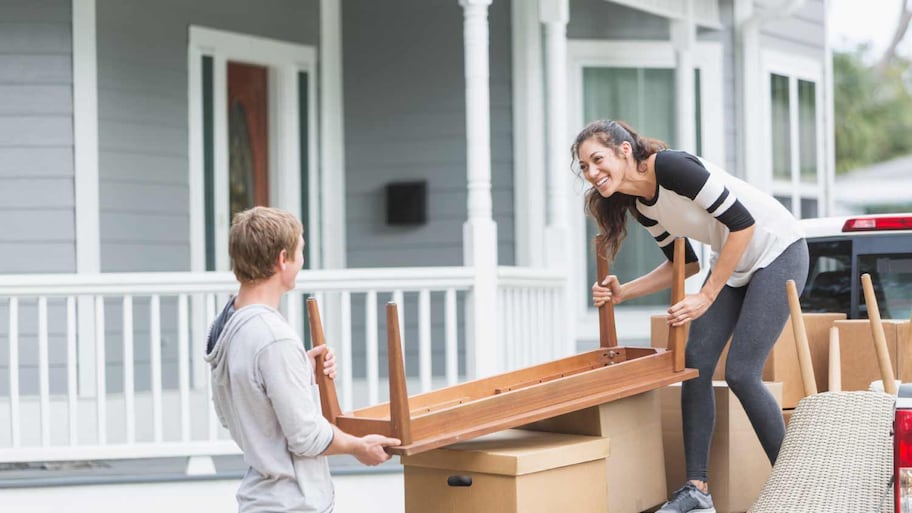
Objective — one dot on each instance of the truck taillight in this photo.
(902, 460)
(865, 224)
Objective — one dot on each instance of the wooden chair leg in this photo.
(835, 377)
(801, 341)
(607, 328)
(329, 401)
(880, 340)
(676, 334)
(400, 415)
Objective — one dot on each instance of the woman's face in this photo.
(601, 166)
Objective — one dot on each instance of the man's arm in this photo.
(290, 388)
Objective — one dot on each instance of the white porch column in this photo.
(554, 15)
(684, 38)
(479, 232)
(85, 163)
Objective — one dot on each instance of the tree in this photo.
(905, 16)
(873, 109)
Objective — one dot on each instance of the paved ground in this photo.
(160, 485)
(374, 493)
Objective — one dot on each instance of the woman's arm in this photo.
(695, 305)
(658, 279)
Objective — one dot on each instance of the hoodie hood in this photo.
(223, 329)
(219, 324)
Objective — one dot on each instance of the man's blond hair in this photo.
(258, 235)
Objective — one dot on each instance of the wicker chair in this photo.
(837, 455)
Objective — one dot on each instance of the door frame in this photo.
(708, 58)
(285, 61)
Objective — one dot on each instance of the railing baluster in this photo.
(424, 339)
(452, 354)
(370, 336)
(101, 396)
(155, 348)
(212, 420)
(129, 389)
(346, 351)
(183, 365)
(14, 370)
(43, 379)
(72, 412)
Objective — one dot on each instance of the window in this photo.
(794, 132)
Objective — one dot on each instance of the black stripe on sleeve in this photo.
(736, 217)
(660, 237)
(712, 208)
(689, 254)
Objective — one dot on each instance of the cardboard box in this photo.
(858, 358)
(782, 364)
(738, 466)
(634, 426)
(513, 471)
(787, 416)
(658, 337)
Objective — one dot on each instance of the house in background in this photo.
(876, 189)
(425, 145)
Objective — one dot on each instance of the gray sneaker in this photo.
(689, 499)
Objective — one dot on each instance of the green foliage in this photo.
(873, 111)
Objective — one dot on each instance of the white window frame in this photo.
(284, 61)
(633, 321)
(795, 67)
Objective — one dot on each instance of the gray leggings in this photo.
(753, 316)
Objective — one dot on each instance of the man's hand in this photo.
(329, 360)
(370, 449)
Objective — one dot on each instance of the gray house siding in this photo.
(37, 207)
(405, 120)
(142, 110)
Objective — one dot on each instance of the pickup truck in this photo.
(841, 250)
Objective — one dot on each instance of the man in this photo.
(263, 380)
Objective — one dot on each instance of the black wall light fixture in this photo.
(406, 203)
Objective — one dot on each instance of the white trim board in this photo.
(708, 58)
(85, 137)
(285, 61)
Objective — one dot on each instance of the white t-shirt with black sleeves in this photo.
(700, 201)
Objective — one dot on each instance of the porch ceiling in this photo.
(705, 12)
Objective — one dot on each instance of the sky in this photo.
(857, 21)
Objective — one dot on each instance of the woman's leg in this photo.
(707, 339)
(764, 313)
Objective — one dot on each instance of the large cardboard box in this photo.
(634, 426)
(738, 466)
(782, 364)
(857, 356)
(513, 471)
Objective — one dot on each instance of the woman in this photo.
(757, 246)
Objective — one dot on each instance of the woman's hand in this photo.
(329, 360)
(691, 307)
(608, 290)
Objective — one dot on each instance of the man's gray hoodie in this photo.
(264, 392)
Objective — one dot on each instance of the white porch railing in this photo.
(139, 386)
